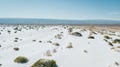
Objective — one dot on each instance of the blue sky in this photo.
(61, 9)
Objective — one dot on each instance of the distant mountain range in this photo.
(54, 21)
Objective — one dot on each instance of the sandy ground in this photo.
(38, 42)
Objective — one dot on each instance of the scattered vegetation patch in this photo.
(93, 32)
(107, 37)
(56, 44)
(116, 41)
(9, 31)
(70, 45)
(34, 40)
(40, 41)
(70, 30)
(109, 43)
(85, 51)
(44, 63)
(48, 53)
(77, 34)
(54, 50)
(15, 40)
(16, 48)
(0, 64)
(118, 46)
(16, 28)
(15, 32)
(116, 63)
(21, 59)
(91, 37)
(49, 41)
(58, 36)
(105, 40)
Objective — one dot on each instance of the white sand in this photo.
(99, 53)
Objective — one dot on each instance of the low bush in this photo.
(21, 59)
(116, 41)
(91, 37)
(118, 46)
(56, 44)
(16, 48)
(85, 51)
(77, 34)
(34, 40)
(107, 37)
(15, 40)
(70, 45)
(109, 43)
(48, 53)
(44, 63)
(0, 64)
(70, 30)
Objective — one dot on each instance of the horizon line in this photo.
(57, 19)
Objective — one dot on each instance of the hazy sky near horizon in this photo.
(61, 9)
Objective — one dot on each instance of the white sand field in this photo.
(39, 42)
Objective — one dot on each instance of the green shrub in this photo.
(56, 44)
(77, 34)
(70, 30)
(109, 43)
(44, 63)
(21, 59)
(105, 40)
(91, 37)
(116, 41)
(16, 48)
(107, 37)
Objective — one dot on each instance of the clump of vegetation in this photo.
(70, 45)
(16, 28)
(116, 41)
(91, 37)
(15, 32)
(34, 40)
(93, 32)
(77, 34)
(109, 43)
(49, 41)
(9, 31)
(48, 53)
(56, 44)
(107, 37)
(21, 59)
(15, 40)
(85, 51)
(105, 40)
(0, 64)
(70, 30)
(116, 63)
(16, 48)
(58, 36)
(118, 46)
(40, 41)
(54, 50)
(44, 63)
